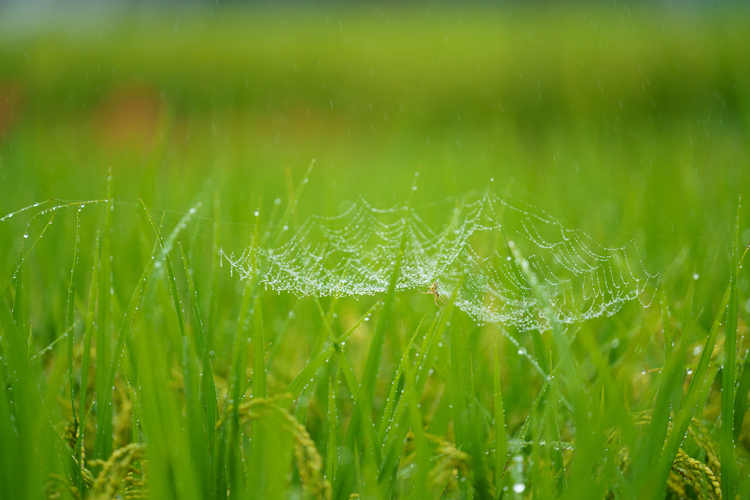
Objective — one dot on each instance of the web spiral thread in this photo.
(353, 254)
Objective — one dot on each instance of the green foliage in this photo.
(125, 375)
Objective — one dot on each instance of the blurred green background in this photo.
(629, 121)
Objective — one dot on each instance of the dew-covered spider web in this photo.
(473, 252)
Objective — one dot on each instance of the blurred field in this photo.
(629, 122)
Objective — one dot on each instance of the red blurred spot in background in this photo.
(127, 118)
(11, 102)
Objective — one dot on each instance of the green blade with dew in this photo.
(395, 421)
(308, 372)
(590, 446)
(351, 383)
(698, 388)
(647, 453)
(124, 332)
(345, 476)
(501, 440)
(333, 428)
(166, 248)
(213, 299)
(208, 388)
(419, 487)
(69, 322)
(21, 410)
(237, 371)
(205, 403)
(396, 433)
(103, 438)
(196, 431)
(464, 410)
(518, 443)
(87, 336)
(260, 446)
(727, 443)
(743, 387)
(387, 418)
(171, 445)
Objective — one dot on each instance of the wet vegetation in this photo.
(138, 144)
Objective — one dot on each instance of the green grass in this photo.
(128, 340)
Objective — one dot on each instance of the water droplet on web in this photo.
(25, 235)
(695, 276)
(519, 488)
(353, 254)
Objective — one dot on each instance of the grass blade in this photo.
(88, 333)
(333, 429)
(501, 443)
(464, 411)
(213, 298)
(69, 320)
(345, 477)
(166, 246)
(352, 385)
(387, 418)
(580, 479)
(728, 466)
(743, 388)
(309, 370)
(103, 441)
(208, 395)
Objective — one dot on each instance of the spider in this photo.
(433, 290)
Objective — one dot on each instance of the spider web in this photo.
(471, 255)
